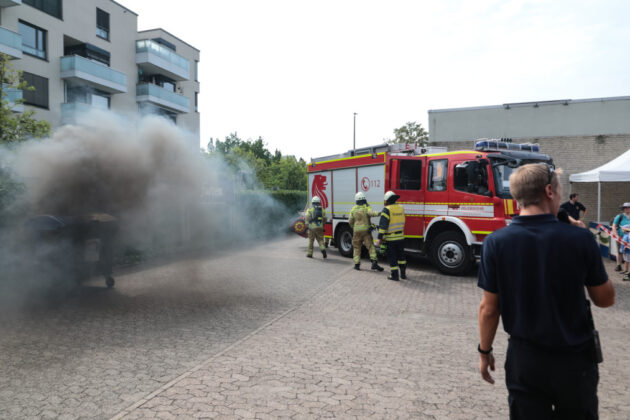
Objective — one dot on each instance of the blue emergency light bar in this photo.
(498, 145)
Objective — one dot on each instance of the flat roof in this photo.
(167, 32)
(126, 8)
(533, 103)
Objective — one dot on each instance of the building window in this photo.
(196, 71)
(33, 39)
(102, 24)
(39, 96)
(89, 51)
(196, 101)
(52, 7)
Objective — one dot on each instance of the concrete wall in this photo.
(576, 154)
(586, 117)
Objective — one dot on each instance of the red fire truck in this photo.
(452, 200)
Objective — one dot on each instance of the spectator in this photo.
(533, 273)
(620, 225)
(573, 207)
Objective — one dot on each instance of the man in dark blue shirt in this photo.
(533, 273)
(573, 207)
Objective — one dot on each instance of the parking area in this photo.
(268, 333)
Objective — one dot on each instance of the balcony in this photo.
(9, 3)
(84, 71)
(164, 98)
(12, 95)
(154, 58)
(10, 43)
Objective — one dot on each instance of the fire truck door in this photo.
(470, 198)
(406, 180)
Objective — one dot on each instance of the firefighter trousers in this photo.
(396, 255)
(316, 233)
(362, 238)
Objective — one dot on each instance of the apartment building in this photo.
(86, 54)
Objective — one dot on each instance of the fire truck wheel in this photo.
(344, 241)
(450, 253)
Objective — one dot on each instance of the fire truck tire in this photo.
(343, 240)
(451, 254)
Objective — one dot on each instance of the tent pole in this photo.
(599, 201)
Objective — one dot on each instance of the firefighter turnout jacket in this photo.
(360, 217)
(315, 217)
(392, 224)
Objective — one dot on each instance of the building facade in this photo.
(579, 135)
(88, 54)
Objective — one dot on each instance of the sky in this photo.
(294, 72)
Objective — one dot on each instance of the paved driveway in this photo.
(267, 333)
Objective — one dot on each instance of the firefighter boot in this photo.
(309, 256)
(357, 266)
(393, 275)
(375, 266)
(324, 253)
(403, 271)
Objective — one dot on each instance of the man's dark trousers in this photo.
(543, 384)
(396, 254)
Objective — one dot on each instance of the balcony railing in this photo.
(96, 74)
(8, 3)
(71, 111)
(10, 43)
(157, 95)
(156, 58)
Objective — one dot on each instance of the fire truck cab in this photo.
(452, 200)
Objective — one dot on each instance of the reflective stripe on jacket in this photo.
(392, 223)
(360, 217)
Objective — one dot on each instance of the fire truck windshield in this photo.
(502, 168)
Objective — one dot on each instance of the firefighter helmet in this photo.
(359, 196)
(390, 194)
(316, 200)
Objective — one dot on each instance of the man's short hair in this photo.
(528, 182)
(572, 195)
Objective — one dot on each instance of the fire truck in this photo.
(452, 200)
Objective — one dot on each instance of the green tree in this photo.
(14, 126)
(411, 132)
(272, 170)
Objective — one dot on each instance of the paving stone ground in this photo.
(267, 333)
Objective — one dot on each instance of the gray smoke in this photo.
(148, 174)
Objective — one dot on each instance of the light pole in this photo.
(354, 135)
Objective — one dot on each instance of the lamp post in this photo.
(354, 135)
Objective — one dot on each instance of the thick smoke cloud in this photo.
(148, 174)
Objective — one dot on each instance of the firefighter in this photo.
(315, 218)
(360, 223)
(391, 229)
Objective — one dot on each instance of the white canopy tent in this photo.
(617, 170)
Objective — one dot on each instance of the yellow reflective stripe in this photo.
(382, 231)
(385, 215)
(482, 232)
(394, 227)
(342, 159)
(414, 236)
